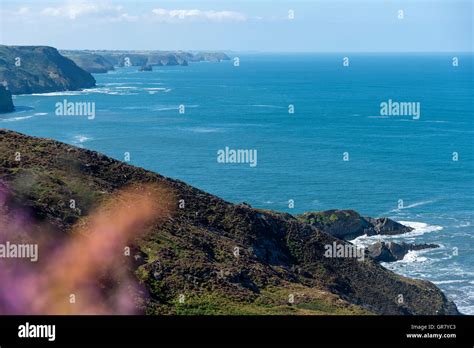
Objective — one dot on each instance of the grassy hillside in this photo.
(214, 256)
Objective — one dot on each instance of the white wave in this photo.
(116, 84)
(413, 205)
(20, 118)
(469, 310)
(110, 91)
(133, 107)
(414, 256)
(55, 94)
(366, 240)
(13, 119)
(101, 90)
(420, 228)
(448, 281)
(166, 108)
(131, 83)
(154, 90)
(80, 139)
(204, 130)
(417, 204)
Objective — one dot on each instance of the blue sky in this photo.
(258, 25)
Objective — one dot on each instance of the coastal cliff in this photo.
(103, 61)
(224, 258)
(92, 63)
(40, 69)
(6, 103)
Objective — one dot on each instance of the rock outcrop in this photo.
(40, 69)
(6, 103)
(225, 258)
(391, 251)
(386, 226)
(348, 224)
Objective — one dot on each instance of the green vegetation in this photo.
(193, 250)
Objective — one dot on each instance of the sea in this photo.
(383, 134)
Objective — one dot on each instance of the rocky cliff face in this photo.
(6, 103)
(89, 60)
(224, 258)
(391, 251)
(348, 224)
(92, 63)
(40, 69)
(209, 57)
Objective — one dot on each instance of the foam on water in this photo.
(414, 256)
(56, 94)
(13, 119)
(203, 130)
(420, 228)
(79, 139)
(22, 118)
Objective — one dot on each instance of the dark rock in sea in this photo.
(386, 226)
(348, 224)
(145, 68)
(226, 258)
(391, 251)
(40, 69)
(6, 103)
(90, 62)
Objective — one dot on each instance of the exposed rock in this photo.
(348, 224)
(391, 251)
(40, 69)
(6, 103)
(386, 226)
(195, 249)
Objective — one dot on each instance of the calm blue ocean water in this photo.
(300, 155)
